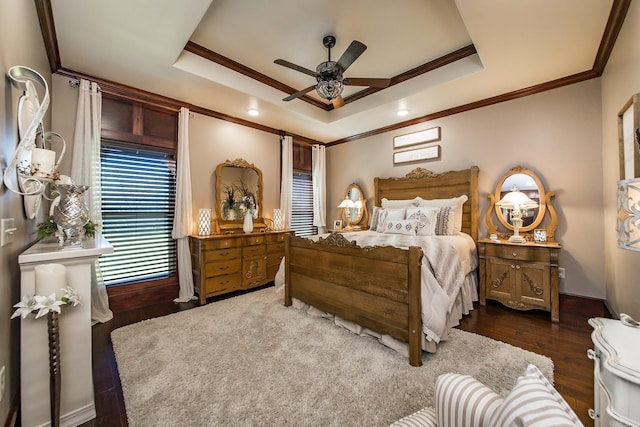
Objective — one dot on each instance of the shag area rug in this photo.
(250, 361)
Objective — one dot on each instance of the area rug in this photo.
(250, 361)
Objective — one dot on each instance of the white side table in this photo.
(76, 401)
(616, 356)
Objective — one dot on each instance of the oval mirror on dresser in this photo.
(354, 205)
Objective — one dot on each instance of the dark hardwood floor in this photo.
(565, 342)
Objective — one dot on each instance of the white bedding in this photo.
(448, 286)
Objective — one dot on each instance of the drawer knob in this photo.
(515, 254)
(513, 266)
(224, 268)
(593, 414)
(517, 267)
(591, 354)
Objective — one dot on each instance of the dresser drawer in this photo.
(274, 238)
(222, 284)
(222, 254)
(220, 243)
(249, 251)
(253, 240)
(223, 267)
(523, 253)
(275, 248)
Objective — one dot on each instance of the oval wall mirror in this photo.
(526, 181)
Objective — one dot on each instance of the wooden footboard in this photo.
(375, 287)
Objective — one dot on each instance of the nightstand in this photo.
(521, 276)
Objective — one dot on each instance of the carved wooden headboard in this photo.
(429, 185)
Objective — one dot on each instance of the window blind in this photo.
(138, 196)
(302, 204)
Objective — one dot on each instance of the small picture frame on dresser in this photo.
(337, 225)
(540, 235)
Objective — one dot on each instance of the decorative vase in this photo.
(248, 223)
(71, 213)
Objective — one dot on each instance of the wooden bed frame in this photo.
(376, 287)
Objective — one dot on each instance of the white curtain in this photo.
(286, 186)
(85, 170)
(182, 220)
(318, 175)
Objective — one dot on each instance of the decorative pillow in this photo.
(426, 218)
(534, 402)
(393, 204)
(441, 203)
(424, 418)
(388, 215)
(463, 401)
(446, 221)
(403, 226)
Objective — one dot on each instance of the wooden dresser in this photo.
(521, 276)
(616, 358)
(228, 262)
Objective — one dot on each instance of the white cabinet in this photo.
(616, 357)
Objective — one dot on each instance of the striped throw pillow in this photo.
(533, 402)
(463, 401)
(423, 418)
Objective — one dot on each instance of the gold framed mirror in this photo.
(238, 191)
(354, 207)
(527, 184)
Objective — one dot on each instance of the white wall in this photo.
(214, 141)
(557, 134)
(621, 79)
(20, 44)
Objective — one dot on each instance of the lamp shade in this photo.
(516, 200)
(278, 220)
(347, 203)
(204, 222)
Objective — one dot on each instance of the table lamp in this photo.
(516, 201)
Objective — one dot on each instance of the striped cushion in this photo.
(534, 402)
(463, 401)
(423, 418)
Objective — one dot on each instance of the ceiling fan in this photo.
(329, 74)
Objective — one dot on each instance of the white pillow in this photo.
(446, 221)
(403, 226)
(534, 402)
(440, 203)
(375, 218)
(406, 203)
(386, 215)
(426, 217)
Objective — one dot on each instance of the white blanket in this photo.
(446, 262)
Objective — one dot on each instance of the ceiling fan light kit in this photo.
(329, 74)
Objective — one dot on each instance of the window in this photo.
(302, 204)
(138, 196)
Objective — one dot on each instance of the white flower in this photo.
(71, 296)
(24, 307)
(45, 304)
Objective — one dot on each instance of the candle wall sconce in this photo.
(33, 166)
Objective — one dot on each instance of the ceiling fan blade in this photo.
(352, 53)
(295, 67)
(299, 93)
(337, 102)
(354, 81)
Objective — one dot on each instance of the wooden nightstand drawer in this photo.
(276, 248)
(223, 267)
(249, 251)
(222, 254)
(274, 238)
(521, 253)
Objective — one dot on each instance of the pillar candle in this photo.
(44, 160)
(51, 278)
